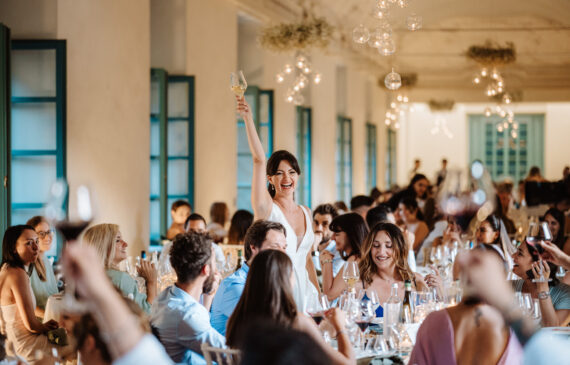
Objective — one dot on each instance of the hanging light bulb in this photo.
(360, 34)
(488, 112)
(388, 114)
(414, 22)
(495, 75)
(393, 105)
(514, 134)
(380, 13)
(393, 81)
(307, 69)
(317, 78)
(515, 125)
(300, 61)
(386, 31)
(484, 72)
(296, 87)
(279, 78)
(387, 48)
(387, 121)
(505, 125)
(397, 125)
(406, 99)
(510, 119)
(302, 81)
(510, 113)
(399, 98)
(499, 89)
(375, 40)
(288, 69)
(503, 113)
(477, 79)
(393, 116)
(383, 4)
(498, 109)
(500, 128)
(500, 83)
(489, 90)
(289, 96)
(402, 3)
(507, 98)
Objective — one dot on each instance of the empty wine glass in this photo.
(373, 297)
(238, 83)
(70, 226)
(351, 275)
(536, 312)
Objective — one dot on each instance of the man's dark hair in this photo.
(325, 209)
(360, 201)
(256, 234)
(180, 203)
(194, 217)
(377, 214)
(189, 253)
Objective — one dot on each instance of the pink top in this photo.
(435, 343)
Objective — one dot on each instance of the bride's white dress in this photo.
(304, 290)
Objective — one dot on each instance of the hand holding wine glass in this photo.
(238, 84)
(351, 274)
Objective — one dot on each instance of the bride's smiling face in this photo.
(285, 178)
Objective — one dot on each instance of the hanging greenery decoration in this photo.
(309, 32)
(492, 54)
(441, 105)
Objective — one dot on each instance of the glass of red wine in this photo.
(365, 316)
(538, 232)
(466, 195)
(317, 308)
(70, 224)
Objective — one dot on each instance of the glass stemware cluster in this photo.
(381, 37)
(304, 73)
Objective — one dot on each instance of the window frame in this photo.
(391, 158)
(344, 142)
(371, 155)
(304, 154)
(60, 100)
(5, 135)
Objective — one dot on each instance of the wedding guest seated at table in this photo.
(492, 232)
(361, 204)
(268, 298)
(112, 249)
(323, 215)
(197, 224)
(380, 213)
(267, 343)
(89, 342)
(451, 234)
(179, 212)
(413, 219)
(554, 296)
(42, 276)
(385, 261)
(418, 190)
(17, 302)
(181, 322)
(556, 222)
(349, 231)
(468, 333)
(219, 215)
(241, 220)
(504, 197)
(262, 235)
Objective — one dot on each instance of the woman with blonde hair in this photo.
(112, 249)
(41, 272)
(385, 261)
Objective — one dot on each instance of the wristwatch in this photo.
(543, 295)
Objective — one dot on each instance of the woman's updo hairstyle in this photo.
(273, 166)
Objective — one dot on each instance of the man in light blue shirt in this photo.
(322, 218)
(181, 322)
(262, 235)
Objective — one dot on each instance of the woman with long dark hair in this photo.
(17, 301)
(412, 217)
(492, 232)
(418, 189)
(349, 231)
(385, 261)
(268, 298)
(556, 222)
(241, 220)
(273, 188)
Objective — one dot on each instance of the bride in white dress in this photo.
(277, 203)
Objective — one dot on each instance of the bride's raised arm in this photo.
(261, 201)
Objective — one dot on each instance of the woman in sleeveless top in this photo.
(17, 302)
(276, 202)
(385, 261)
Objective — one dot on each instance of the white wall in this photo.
(415, 139)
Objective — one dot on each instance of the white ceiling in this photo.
(540, 30)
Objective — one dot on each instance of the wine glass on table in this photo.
(351, 275)
(81, 213)
(238, 83)
(365, 316)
